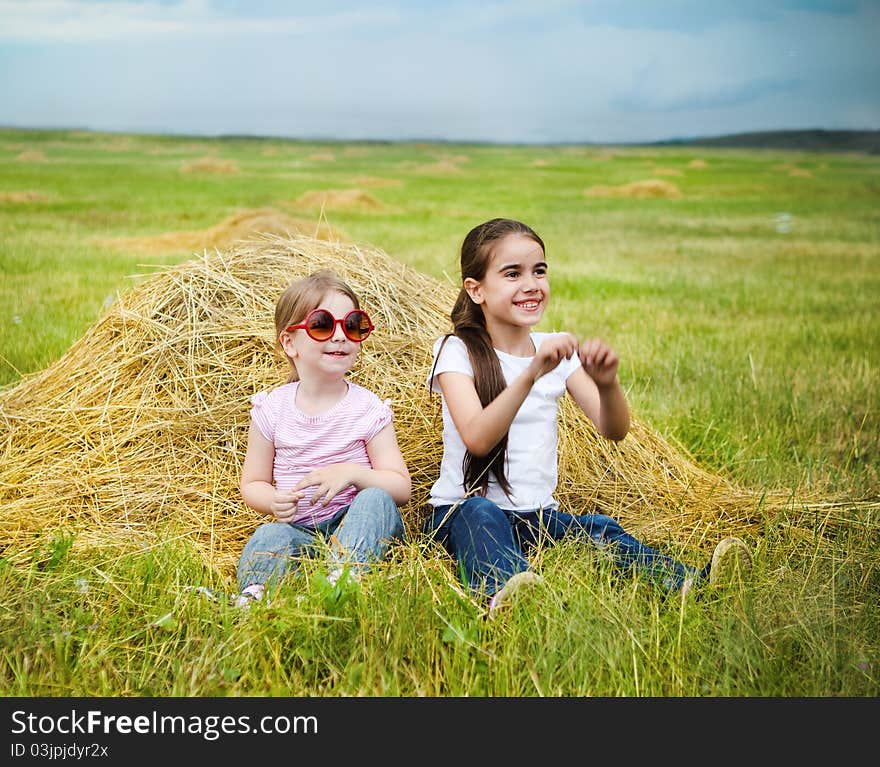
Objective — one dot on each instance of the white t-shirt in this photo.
(531, 464)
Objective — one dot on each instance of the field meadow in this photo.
(740, 289)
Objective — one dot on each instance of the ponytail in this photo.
(469, 324)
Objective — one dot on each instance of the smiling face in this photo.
(515, 289)
(330, 359)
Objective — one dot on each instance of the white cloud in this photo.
(526, 70)
(78, 21)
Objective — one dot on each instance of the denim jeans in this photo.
(490, 544)
(364, 530)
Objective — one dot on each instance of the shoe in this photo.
(515, 584)
(249, 595)
(688, 587)
(731, 561)
(244, 600)
(252, 593)
(212, 594)
(337, 575)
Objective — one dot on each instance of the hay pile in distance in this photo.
(338, 199)
(239, 226)
(138, 432)
(209, 165)
(637, 190)
(32, 155)
(24, 197)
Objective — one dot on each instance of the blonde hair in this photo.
(300, 297)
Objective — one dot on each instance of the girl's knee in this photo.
(378, 503)
(270, 535)
(463, 521)
(605, 526)
(375, 496)
(481, 507)
(480, 513)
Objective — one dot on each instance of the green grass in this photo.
(114, 623)
(755, 348)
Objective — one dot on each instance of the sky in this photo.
(518, 71)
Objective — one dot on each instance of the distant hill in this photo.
(800, 140)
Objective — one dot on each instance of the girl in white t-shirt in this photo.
(322, 455)
(500, 384)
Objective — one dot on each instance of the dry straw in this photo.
(239, 226)
(209, 165)
(24, 197)
(31, 155)
(138, 431)
(338, 199)
(639, 190)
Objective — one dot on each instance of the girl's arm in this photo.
(595, 388)
(482, 427)
(388, 472)
(256, 480)
(389, 469)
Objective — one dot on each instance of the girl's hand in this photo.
(599, 360)
(551, 352)
(284, 504)
(327, 481)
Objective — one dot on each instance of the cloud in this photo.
(706, 95)
(702, 15)
(81, 21)
(525, 70)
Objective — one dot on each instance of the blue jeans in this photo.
(364, 530)
(490, 543)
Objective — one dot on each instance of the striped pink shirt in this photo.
(306, 442)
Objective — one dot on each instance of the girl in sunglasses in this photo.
(322, 456)
(500, 383)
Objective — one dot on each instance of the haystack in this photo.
(441, 166)
(138, 432)
(23, 197)
(338, 199)
(637, 190)
(31, 155)
(209, 165)
(239, 226)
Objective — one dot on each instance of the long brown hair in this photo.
(469, 324)
(299, 298)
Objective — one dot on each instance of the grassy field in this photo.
(739, 287)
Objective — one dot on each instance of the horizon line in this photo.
(424, 140)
